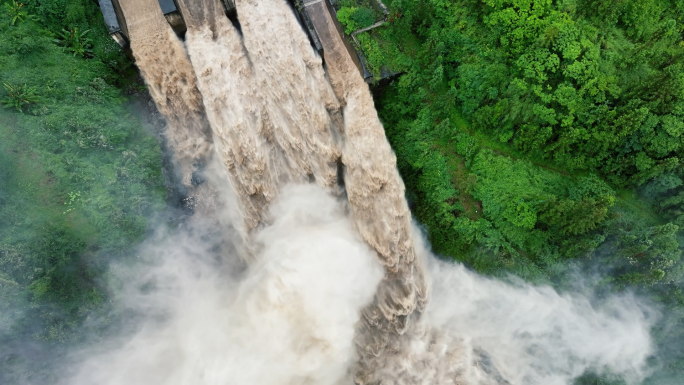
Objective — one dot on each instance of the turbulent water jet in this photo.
(234, 111)
(171, 81)
(380, 211)
(297, 99)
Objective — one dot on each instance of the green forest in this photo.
(539, 138)
(542, 138)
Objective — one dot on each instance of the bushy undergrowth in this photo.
(79, 175)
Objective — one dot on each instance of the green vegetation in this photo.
(16, 12)
(354, 18)
(537, 137)
(19, 96)
(79, 175)
(76, 42)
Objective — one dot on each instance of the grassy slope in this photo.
(79, 178)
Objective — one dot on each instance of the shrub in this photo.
(355, 18)
(76, 42)
(19, 96)
(16, 12)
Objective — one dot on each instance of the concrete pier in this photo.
(317, 17)
(324, 21)
(118, 28)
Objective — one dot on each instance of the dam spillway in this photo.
(305, 11)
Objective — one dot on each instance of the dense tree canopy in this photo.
(535, 136)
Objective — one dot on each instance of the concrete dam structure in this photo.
(309, 13)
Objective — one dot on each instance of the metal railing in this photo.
(385, 12)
